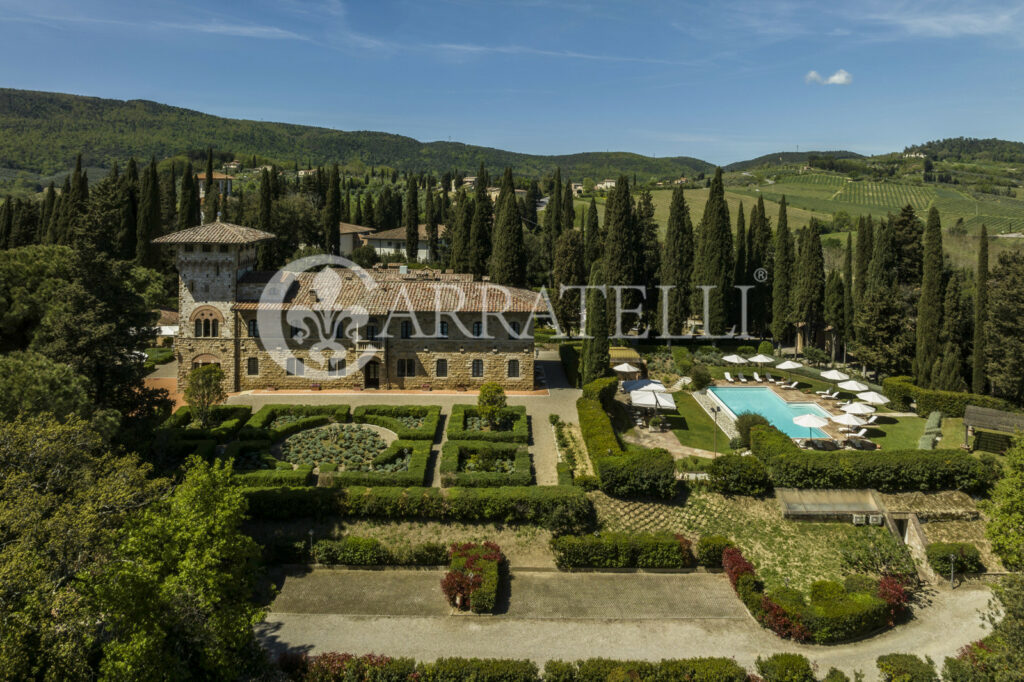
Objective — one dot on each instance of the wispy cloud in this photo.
(947, 20)
(540, 52)
(236, 30)
(840, 77)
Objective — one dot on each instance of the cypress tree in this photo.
(480, 227)
(808, 292)
(848, 293)
(552, 220)
(740, 264)
(677, 263)
(978, 379)
(6, 223)
(568, 210)
(412, 221)
(865, 248)
(462, 217)
(169, 202)
(211, 204)
(357, 210)
(46, 211)
(713, 259)
(54, 228)
(834, 314)
(595, 358)
(569, 270)
(929, 307)
(593, 241)
(268, 255)
(650, 256)
(530, 206)
(431, 216)
(781, 276)
(623, 250)
(74, 206)
(148, 225)
(879, 317)
(332, 213)
(759, 256)
(908, 232)
(208, 186)
(186, 210)
(508, 257)
(948, 370)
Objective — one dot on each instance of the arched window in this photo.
(199, 327)
(513, 369)
(207, 321)
(206, 327)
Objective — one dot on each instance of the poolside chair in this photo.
(743, 379)
(830, 396)
(872, 420)
(792, 385)
(769, 378)
(859, 434)
(823, 393)
(757, 378)
(728, 377)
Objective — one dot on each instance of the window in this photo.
(478, 368)
(513, 369)
(252, 367)
(407, 367)
(254, 329)
(444, 330)
(515, 330)
(223, 248)
(199, 327)
(336, 367)
(215, 328)
(207, 248)
(406, 329)
(188, 248)
(478, 328)
(371, 332)
(441, 369)
(296, 367)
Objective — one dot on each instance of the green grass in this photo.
(159, 356)
(892, 433)
(692, 425)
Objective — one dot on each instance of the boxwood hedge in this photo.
(519, 433)
(416, 474)
(258, 426)
(387, 416)
(967, 557)
(271, 478)
(667, 670)
(621, 550)
(638, 473)
(901, 390)
(596, 427)
(454, 452)
(601, 390)
(228, 419)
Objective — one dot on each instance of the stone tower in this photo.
(210, 259)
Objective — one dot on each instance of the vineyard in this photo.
(886, 195)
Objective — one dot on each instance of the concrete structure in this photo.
(332, 329)
(391, 243)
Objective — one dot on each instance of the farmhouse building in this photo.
(389, 243)
(350, 237)
(413, 330)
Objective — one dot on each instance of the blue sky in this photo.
(722, 81)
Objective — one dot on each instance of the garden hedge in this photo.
(596, 427)
(968, 558)
(478, 670)
(258, 426)
(887, 471)
(785, 667)
(353, 550)
(638, 473)
(710, 548)
(474, 574)
(416, 473)
(901, 390)
(621, 550)
(454, 452)
(601, 390)
(905, 668)
(228, 419)
(387, 417)
(273, 478)
(666, 670)
(739, 475)
(558, 508)
(519, 433)
(569, 354)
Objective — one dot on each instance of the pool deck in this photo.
(793, 395)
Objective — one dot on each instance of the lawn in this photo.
(692, 425)
(785, 552)
(893, 433)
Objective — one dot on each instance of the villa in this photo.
(388, 243)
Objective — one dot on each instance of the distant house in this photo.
(351, 237)
(493, 193)
(679, 181)
(232, 166)
(222, 179)
(306, 172)
(469, 181)
(390, 242)
(605, 184)
(577, 189)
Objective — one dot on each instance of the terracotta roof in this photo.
(399, 233)
(215, 233)
(423, 291)
(217, 175)
(167, 317)
(349, 228)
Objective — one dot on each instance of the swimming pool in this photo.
(767, 403)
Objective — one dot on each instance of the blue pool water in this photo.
(765, 402)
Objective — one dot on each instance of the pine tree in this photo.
(623, 250)
(677, 264)
(808, 293)
(508, 257)
(759, 257)
(431, 216)
(480, 227)
(332, 213)
(978, 378)
(879, 319)
(908, 232)
(848, 293)
(595, 358)
(713, 259)
(147, 254)
(412, 222)
(865, 248)
(782, 267)
(569, 270)
(740, 264)
(929, 307)
(593, 240)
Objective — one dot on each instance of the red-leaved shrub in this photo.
(893, 593)
(735, 565)
(781, 622)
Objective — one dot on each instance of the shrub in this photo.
(258, 426)
(765, 348)
(516, 415)
(682, 359)
(274, 478)
(391, 417)
(473, 576)
(745, 422)
(700, 378)
(901, 390)
(746, 351)
(739, 475)
(967, 559)
(835, 675)
(455, 454)
(225, 421)
(601, 390)
(490, 401)
(667, 670)
(416, 472)
(620, 550)
(710, 548)
(643, 473)
(334, 667)
(351, 550)
(785, 668)
(596, 427)
(905, 668)
(735, 565)
(478, 669)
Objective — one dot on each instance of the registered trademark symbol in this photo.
(761, 275)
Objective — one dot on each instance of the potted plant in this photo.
(655, 423)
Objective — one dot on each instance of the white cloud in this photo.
(840, 77)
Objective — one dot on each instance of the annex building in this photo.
(418, 329)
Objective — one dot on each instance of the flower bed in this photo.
(351, 447)
(262, 424)
(410, 422)
(513, 425)
(412, 456)
(481, 463)
(473, 577)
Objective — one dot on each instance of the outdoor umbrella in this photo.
(847, 419)
(788, 364)
(642, 385)
(652, 400)
(834, 375)
(854, 386)
(857, 408)
(873, 398)
(811, 421)
(761, 359)
(735, 359)
(626, 367)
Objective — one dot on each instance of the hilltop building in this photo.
(388, 243)
(350, 238)
(220, 312)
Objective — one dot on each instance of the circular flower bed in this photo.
(351, 446)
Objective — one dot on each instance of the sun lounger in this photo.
(757, 377)
(728, 377)
(872, 420)
(825, 392)
(859, 434)
(769, 378)
(860, 444)
(742, 378)
(792, 385)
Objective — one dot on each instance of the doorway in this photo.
(371, 375)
